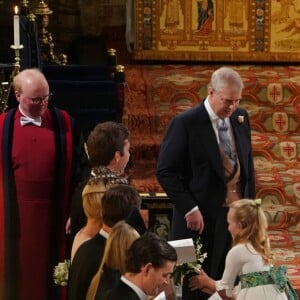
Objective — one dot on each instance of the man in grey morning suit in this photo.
(198, 176)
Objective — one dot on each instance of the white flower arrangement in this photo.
(240, 119)
(184, 269)
(61, 273)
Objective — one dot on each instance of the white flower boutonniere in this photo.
(240, 119)
(61, 273)
(184, 269)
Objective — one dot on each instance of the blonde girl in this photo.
(249, 259)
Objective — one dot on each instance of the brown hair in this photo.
(117, 203)
(104, 140)
(149, 248)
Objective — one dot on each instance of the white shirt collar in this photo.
(213, 117)
(137, 290)
(104, 233)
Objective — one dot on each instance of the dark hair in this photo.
(104, 140)
(117, 203)
(149, 248)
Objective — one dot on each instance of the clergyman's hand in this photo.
(194, 221)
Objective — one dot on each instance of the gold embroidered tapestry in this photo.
(217, 30)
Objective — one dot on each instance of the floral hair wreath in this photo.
(256, 202)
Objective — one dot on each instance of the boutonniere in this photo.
(240, 119)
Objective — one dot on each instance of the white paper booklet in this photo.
(185, 250)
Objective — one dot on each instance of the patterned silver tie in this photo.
(226, 142)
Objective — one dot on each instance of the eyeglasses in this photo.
(38, 100)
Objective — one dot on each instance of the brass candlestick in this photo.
(24, 7)
(112, 58)
(17, 58)
(25, 3)
(120, 73)
(42, 13)
(5, 87)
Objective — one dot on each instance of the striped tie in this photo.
(226, 142)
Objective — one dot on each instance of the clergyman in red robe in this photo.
(42, 159)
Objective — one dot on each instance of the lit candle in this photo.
(16, 28)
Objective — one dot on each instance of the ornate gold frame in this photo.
(232, 30)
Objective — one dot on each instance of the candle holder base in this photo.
(17, 49)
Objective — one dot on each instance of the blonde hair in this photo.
(91, 200)
(92, 195)
(120, 239)
(249, 214)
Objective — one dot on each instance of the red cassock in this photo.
(36, 185)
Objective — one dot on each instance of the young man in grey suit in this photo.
(200, 176)
(149, 265)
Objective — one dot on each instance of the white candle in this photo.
(16, 28)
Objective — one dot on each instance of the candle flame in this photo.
(16, 10)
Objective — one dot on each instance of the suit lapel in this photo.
(239, 136)
(208, 136)
(128, 291)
